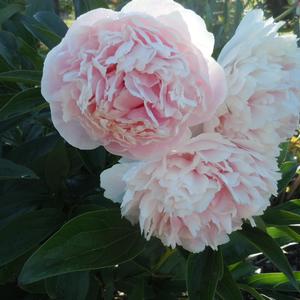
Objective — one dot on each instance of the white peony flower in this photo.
(263, 75)
(195, 196)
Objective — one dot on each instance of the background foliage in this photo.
(61, 239)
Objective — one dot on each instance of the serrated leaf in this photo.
(90, 241)
(271, 250)
(25, 232)
(10, 170)
(204, 270)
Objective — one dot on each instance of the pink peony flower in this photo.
(195, 196)
(133, 81)
(263, 74)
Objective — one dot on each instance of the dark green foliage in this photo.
(61, 239)
(204, 270)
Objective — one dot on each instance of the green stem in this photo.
(287, 12)
(164, 258)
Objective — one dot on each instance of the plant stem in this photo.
(287, 12)
(164, 258)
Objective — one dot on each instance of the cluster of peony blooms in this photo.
(198, 138)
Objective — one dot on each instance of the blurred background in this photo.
(221, 16)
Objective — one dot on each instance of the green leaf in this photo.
(272, 281)
(227, 287)
(283, 234)
(24, 76)
(171, 262)
(83, 6)
(296, 229)
(94, 288)
(31, 53)
(41, 32)
(11, 122)
(34, 6)
(260, 223)
(57, 166)
(23, 102)
(138, 292)
(8, 49)
(35, 288)
(284, 153)
(10, 170)
(10, 271)
(288, 170)
(72, 286)
(93, 160)
(238, 248)
(279, 296)
(30, 151)
(293, 232)
(90, 241)
(241, 269)
(271, 250)
(239, 9)
(281, 217)
(19, 202)
(8, 11)
(291, 206)
(53, 22)
(14, 26)
(108, 281)
(251, 291)
(204, 270)
(171, 289)
(26, 232)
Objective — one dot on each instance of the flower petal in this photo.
(174, 15)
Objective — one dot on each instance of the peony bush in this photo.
(147, 151)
